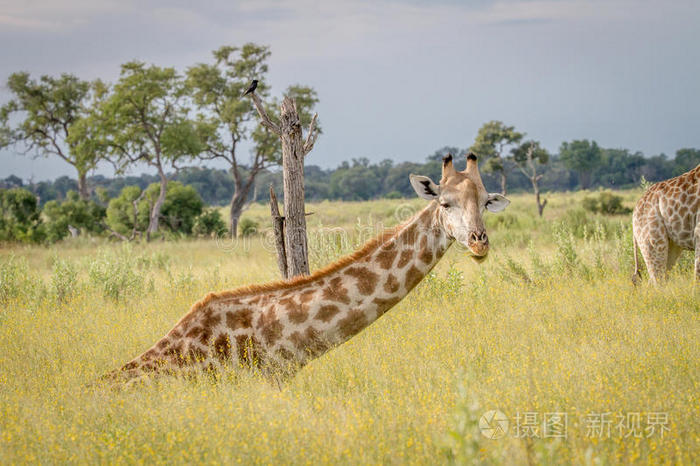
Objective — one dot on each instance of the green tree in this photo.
(209, 223)
(438, 155)
(144, 119)
(396, 181)
(42, 115)
(74, 212)
(686, 159)
(582, 156)
(357, 182)
(529, 157)
(493, 142)
(225, 116)
(618, 168)
(129, 213)
(123, 213)
(20, 217)
(181, 207)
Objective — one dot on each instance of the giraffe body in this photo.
(666, 221)
(283, 325)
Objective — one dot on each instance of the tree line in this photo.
(48, 211)
(359, 179)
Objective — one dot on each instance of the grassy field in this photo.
(550, 323)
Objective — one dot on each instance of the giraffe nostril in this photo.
(483, 237)
(473, 237)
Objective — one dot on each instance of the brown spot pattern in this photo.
(352, 324)
(248, 350)
(410, 234)
(413, 276)
(366, 280)
(335, 291)
(272, 332)
(309, 341)
(406, 256)
(384, 305)
(385, 257)
(211, 318)
(326, 312)
(222, 347)
(426, 255)
(392, 284)
(242, 318)
(307, 296)
(298, 315)
(175, 355)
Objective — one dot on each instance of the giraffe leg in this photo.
(697, 251)
(655, 254)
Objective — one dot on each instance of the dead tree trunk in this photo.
(534, 179)
(278, 229)
(294, 149)
(154, 216)
(503, 182)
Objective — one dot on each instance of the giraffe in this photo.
(283, 325)
(665, 222)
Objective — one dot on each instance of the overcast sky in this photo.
(399, 79)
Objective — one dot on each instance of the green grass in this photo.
(549, 323)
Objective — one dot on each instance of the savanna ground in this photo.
(550, 323)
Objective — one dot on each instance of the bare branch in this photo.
(265, 120)
(311, 136)
(117, 234)
(176, 167)
(529, 175)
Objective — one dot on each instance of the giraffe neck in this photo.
(367, 288)
(301, 322)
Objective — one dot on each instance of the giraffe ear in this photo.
(496, 203)
(424, 187)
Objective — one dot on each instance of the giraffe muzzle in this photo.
(478, 243)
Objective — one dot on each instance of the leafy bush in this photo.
(209, 223)
(606, 203)
(14, 278)
(159, 260)
(116, 274)
(86, 216)
(583, 224)
(248, 227)
(568, 260)
(448, 287)
(64, 279)
(181, 207)
(121, 215)
(20, 216)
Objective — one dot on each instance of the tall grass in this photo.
(549, 323)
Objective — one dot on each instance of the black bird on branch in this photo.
(252, 88)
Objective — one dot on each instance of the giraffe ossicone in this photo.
(665, 222)
(283, 325)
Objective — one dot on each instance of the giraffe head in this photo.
(463, 199)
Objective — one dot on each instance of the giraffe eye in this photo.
(445, 205)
